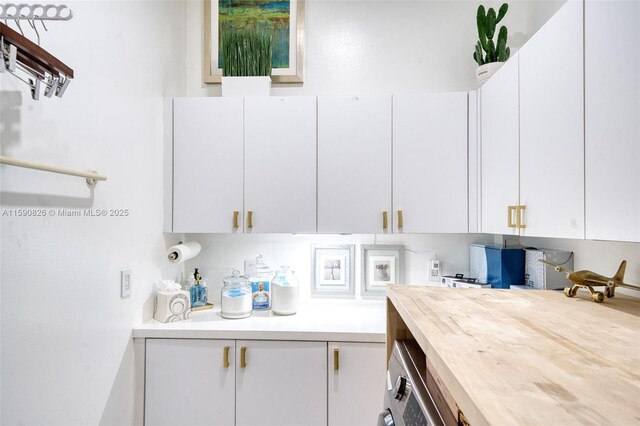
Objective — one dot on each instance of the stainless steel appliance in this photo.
(411, 398)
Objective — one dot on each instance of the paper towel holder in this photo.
(173, 255)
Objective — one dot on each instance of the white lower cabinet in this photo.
(281, 383)
(188, 383)
(356, 382)
(262, 382)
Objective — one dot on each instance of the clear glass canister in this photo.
(260, 276)
(284, 292)
(236, 300)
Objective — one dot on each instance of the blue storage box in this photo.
(498, 266)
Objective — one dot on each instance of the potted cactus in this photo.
(490, 54)
(246, 63)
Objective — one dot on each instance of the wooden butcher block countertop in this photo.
(528, 357)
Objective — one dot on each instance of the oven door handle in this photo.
(385, 418)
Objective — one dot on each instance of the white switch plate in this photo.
(248, 264)
(434, 270)
(125, 283)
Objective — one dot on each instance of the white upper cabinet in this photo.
(499, 150)
(429, 163)
(474, 159)
(612, 120)
(354, 164)
(280, 164)
(552, 127)
(207, 164)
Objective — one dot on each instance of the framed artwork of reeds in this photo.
(283, 19)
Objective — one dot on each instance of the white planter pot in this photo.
(484, 72)
(246, 86)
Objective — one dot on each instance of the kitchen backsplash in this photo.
(223, 253)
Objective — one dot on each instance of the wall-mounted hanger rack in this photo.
(18, 54)
(39, 12)
(92, 176)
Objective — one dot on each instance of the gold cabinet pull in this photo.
(243, 357)
(510, 211)
(236, 213)
(249, 219)
(225, 362)
(336, 359)
(519, 217)
(400, 220)
(385, 220)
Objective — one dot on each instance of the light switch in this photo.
(125, 283)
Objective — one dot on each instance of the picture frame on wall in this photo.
(332, 270)
(284, 18)
(381, 265)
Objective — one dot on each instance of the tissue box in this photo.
(542, 276)
(172, 306)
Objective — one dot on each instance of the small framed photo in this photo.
(381, 265)
(332, 269)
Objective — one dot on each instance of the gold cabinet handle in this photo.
(519, 217)
(236, 213)
(336, 359)
(225, 362)
(249, 219)
(510, 211)
(400, 220)
(385, 220)
(243, 357)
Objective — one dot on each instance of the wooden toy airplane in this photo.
(589, 279)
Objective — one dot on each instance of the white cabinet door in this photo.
(207, 164)
(430, 163)
(356, 383)
(187, 383)
(280, 164)
(474, 159)
(354, 164)
(283, 383)
(499, 148)
(552, 127)
(612, 120)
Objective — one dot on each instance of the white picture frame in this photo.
(332, 270)
(381, 265)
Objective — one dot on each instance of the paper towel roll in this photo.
(181, 252)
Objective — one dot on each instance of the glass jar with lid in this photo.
(260, 276)
(236, 299)
(284, 292)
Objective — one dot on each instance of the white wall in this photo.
(377, 46)
(223, 253)
(65, 348)
(603, 257)
(66, 353)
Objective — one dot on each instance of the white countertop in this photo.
(323, 320)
